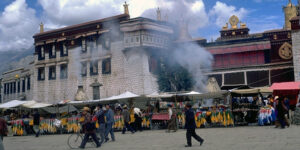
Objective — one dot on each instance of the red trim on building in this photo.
(239, 49)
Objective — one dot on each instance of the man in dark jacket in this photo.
(89, 128)
(109, 123)
(101, 121)
(126, 117)
(190, 126)
(36, 123)
(3, 128)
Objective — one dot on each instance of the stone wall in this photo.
(296, 53)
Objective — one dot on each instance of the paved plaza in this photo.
(238, 138)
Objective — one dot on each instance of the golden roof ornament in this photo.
(225, 27)
(41, 27)
(126, 10)
(234, 20)
(243, 25)
(285, 51)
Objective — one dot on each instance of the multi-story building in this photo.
(17, 84)
(104, 57)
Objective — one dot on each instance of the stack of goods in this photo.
(266, 116)
(119, 124)
(73, 124)
(146, 122)
(17, 127)
(181, 119)
(221, 117)
(47, 126)
(200, 119)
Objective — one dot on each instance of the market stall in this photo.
(290, 90)
(246, 104)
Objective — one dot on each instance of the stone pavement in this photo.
(238, 138)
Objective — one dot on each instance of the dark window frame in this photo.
(83, 71)
(23, 85)
(51, 70)
(50, 48)
(92, 65)
(104, 62)
(40, 71)
(19, 86)
(39, 51)
(63, 71)
(28, 83)
(61, 49)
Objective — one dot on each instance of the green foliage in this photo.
(172, 77)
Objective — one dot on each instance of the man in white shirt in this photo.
(172, 119)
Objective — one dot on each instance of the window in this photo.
(94, 67)
(19, 86)
(106, 66)
(23, 85)
(52, 51)
(41, 74)
(83, 46)
(83, 69)
(90, 41)
(52, 73)
(96, 93)
(14, 87)
(64, 71)
(10, 88)
(41, 53)
(106, 42)
(28, 83)
(63, 49)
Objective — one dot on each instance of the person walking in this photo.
(172, 119)
(281, 108)
(109, 123)
(190, 126)
(3, 132)
(36, 122)
(287, 114)
(126, 118)
(138, 119)
(101, 121)
(89, 128)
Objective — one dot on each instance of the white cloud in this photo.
(17, 25)
(222, 12)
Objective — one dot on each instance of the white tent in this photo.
(189, 93)
(34, 104)
(11, 104)
(126, 95)
(123, 96)
(159, 95)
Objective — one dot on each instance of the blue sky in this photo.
(206, 16)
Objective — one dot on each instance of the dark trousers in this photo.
(129, 128)
(86, 138)
(172, 124)
(191, 133)
(109, 130)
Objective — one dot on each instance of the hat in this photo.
(125, 106)
(85, 109)
(276, 97)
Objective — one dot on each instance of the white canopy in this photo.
(11, 104)
(189, 93)
(34, 104)
(159, 95)
(126, 95)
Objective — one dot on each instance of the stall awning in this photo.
(12, 104)
(286, 86)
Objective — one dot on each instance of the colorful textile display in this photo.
(47, 126)
(266, 116)
(17, 127)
